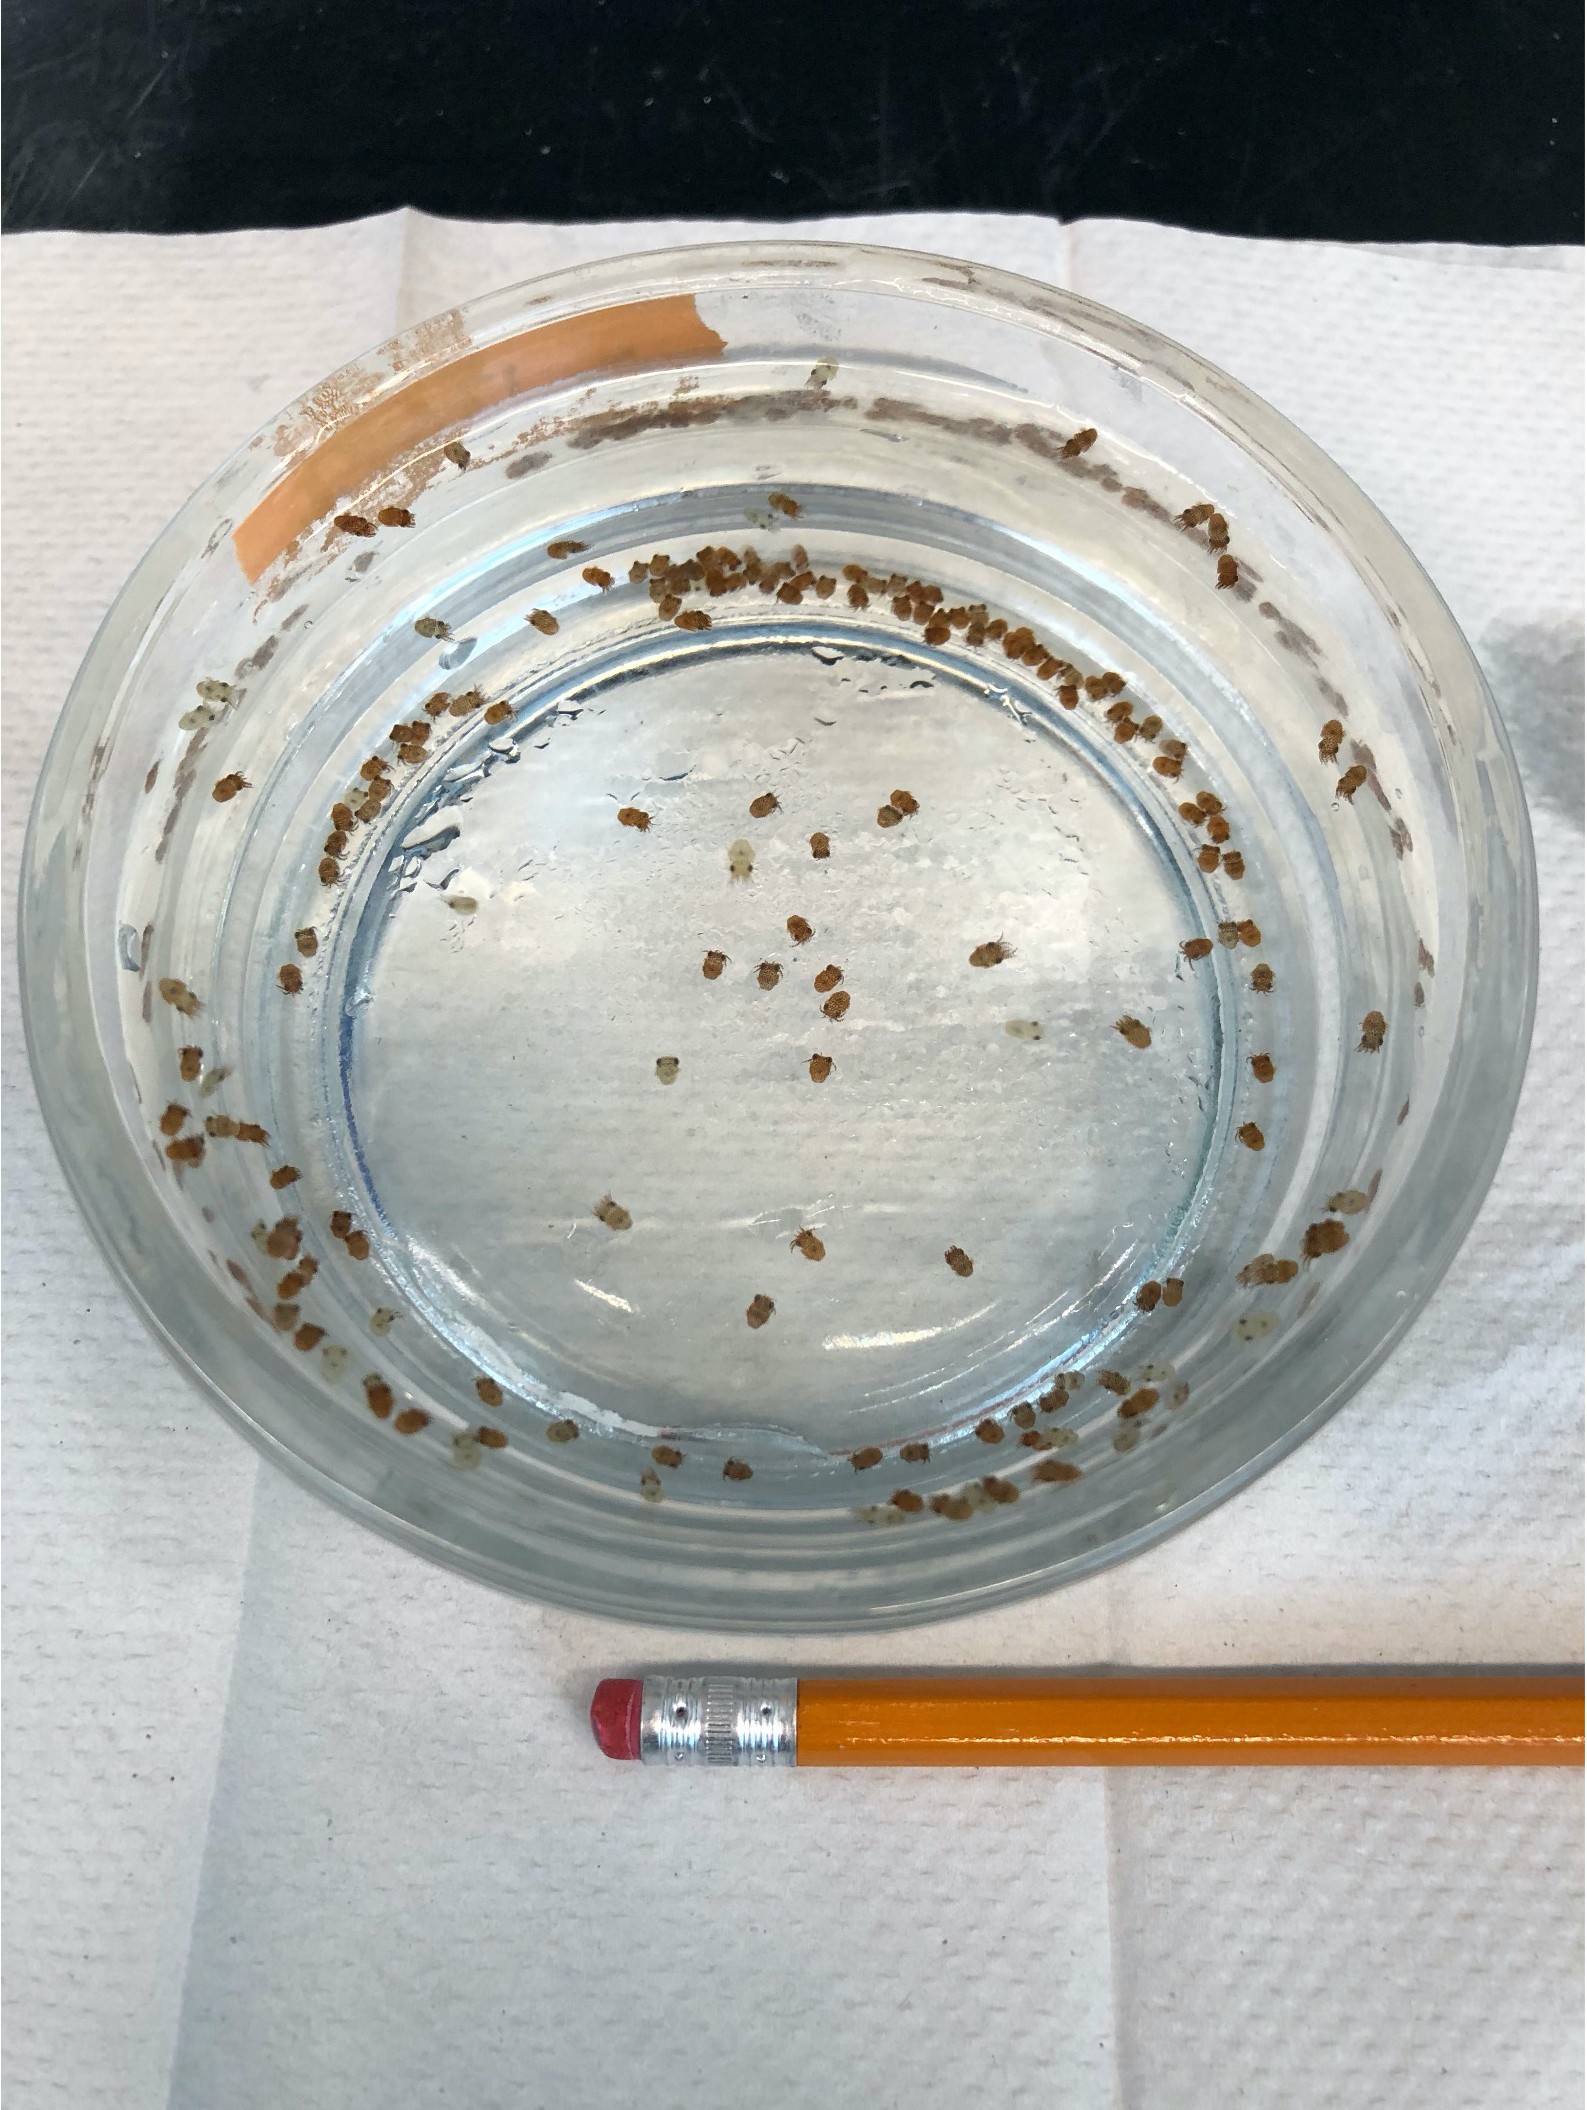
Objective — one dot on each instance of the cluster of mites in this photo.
(282, 1242)
(718, 570)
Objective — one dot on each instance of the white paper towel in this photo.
(296, 1820)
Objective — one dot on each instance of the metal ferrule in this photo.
(719, 1721)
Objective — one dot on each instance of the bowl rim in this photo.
(1501, 991)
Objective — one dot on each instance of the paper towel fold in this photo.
(294, 1819)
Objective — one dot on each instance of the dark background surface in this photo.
(1405, 120)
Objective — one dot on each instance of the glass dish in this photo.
(779, 937)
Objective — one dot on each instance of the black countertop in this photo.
(1406, 120)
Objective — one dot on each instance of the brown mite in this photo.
(1424, 958)
(633, 817)
(915, 1453)
(562, 1431)
(340, 1223)
(959, 1260)
(1173, 1290)
(613, 1214)
(1229, 933)
(1024, 1415)
(820, 845)
(353, 524)
(1228, 571)
(904, 801)
(761, 806)
(489, 1391)
(1166, 765)
(283, 1239)
(432, 626)
(1330, 741)
(1193, 516)
(566, 547)
(492, 1439)
(189, 1062)
(736, 1469)
(1138, 1403)
(410, 1421)
(357, 1244)
(330, 871)
(178, 996)
(1262, 978)
(1234, 864)
(1351, 782)
(1264, 1269)
(908, 1501)
(780, 502)
(216, 1125)
(290, 978)
(1055, 1469)
(1373, 1028)
(1078, 442)
(808, 1244)
(1329, 1236)
(1207, 858)
(1263, 1068)
(888, 816)
(800, 931)
(307, 1337)
(594, 575)
(957, 1507)
(1001, 1491)
(758, 1311)
(1196, 948)
(862, 1461)
(285, 1176)
(1250, 933)
(991, 954)
(457, 454)
(1251, 1136)
(1113, 1381)
(380, 1396)
(666, 1454)
(828, 978)
(394, 516)
(820, 1067)
(495, 714)
(1149, 1296)
(989, 1431)
(837, 1003)
(306, 941)
(544, 621)
(171, 1120)
(692, 619)
(768, 974)
(711, 966)
(1137, 1034)
(228, 787)
(1218, 830)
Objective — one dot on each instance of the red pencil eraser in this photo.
(614, 1716)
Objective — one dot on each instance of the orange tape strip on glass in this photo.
(638, 333)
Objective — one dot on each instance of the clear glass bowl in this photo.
(518, 675)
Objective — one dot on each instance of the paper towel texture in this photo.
(293, 1819)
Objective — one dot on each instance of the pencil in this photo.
(1125, 1718)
